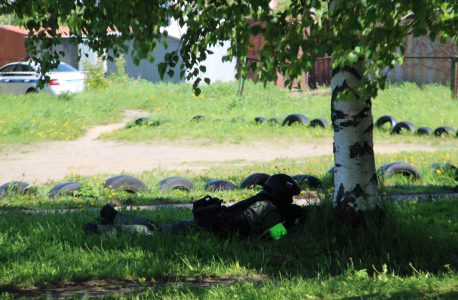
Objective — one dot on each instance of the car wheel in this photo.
(142, 120)
(276, 120)
(444, 129)
(15, 187)
(175, 182)
(424, 131)
(296, 118)
(126, 183)
(310, 180)
(254, 179)
(403, 125)
(64, 189)
(386, 119)
(403, 168)
(31, 90)
(319, 122)
(219, 185)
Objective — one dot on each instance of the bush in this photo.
(95, 77)
(120, 76)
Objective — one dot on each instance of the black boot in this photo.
(91, 228)
(107, 215)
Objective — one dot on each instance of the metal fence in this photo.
(418, 70)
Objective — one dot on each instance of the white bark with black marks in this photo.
(355, 179)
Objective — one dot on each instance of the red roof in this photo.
(62, 30)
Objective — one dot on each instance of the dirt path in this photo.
(55, 159)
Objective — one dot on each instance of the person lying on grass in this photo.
(270, 210)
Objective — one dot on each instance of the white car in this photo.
(22, 78)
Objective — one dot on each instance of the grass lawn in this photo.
(414, 256)
(41, 117)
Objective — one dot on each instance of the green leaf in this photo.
(432, 36)
(171, 73)
(207, 80)
(73, 22)
(197, 92)
(203, 69)
(353, 57)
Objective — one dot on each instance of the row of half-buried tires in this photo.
(132, 184)
(397, 127)
(289, 120)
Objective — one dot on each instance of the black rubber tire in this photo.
(175, 182)
(219, 185)
(319, 122)
(142, 120)
(444, 167)
(276, 120)
(260, 119)
(444, 129)
(31, 90)
(254, 179)
(238, 120)
(296, 118)
(386, 119)
(403, 125)
(312, 181)
(424, 131)
(199, 118)
(12, 187)
(64, 189)
(126, 183)
(388, 170)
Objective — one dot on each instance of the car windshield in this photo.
(64, 68)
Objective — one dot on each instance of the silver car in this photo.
(22, 78)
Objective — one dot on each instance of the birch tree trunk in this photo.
(355, 179)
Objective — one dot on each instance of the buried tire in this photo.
(16, 187)
(254, 179)
(142, 120)
(276, 120)
(175, 182)
(444, 129)
(424, 130)
(300, 118)
(398, 167)
(319, 122)
(261, 120)
(403, 125)
(310, 180)
(199, 118)
(219, 185)
(386, 119)
(444, 167)
(126, 183)
(64, 189)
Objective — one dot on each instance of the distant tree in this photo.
(363, 37)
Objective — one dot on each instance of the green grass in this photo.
(41, 117)
(92, 194)
(417, 247)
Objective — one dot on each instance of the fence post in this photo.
(452, 83)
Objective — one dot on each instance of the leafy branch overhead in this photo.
(373, 29)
